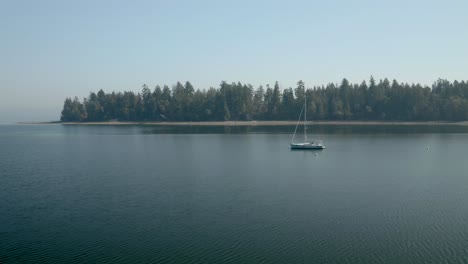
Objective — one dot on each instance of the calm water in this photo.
(232, 195)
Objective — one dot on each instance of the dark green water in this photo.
(78, 194)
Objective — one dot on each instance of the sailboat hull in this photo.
(311, 146)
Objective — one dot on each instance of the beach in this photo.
(256, 123)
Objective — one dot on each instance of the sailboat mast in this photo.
(305, 115)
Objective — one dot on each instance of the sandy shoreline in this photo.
(252, 123)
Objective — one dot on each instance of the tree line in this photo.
(372, 100)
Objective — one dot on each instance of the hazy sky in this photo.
(50, 50)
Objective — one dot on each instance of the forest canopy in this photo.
(372, 100)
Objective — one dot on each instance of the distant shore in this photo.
(252, 123)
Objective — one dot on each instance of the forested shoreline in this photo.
(373, 100)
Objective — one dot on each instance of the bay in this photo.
(120, 194)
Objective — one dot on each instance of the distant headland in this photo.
(372, 102)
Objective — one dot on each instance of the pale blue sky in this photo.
(53, 49)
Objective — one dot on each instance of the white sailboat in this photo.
(305, 145)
